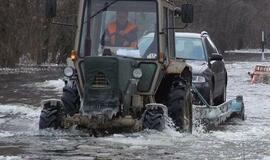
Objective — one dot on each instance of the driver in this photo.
(121, 33)
(188, 48)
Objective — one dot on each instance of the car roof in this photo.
(188, 34)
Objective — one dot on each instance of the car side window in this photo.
(213, 45)
(210, 47)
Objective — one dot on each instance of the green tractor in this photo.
(114, 83)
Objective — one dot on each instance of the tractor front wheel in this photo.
(51, 115)
(70, 99)
(154, 119)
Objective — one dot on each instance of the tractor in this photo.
(113, 86)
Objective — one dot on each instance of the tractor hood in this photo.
(103, 85)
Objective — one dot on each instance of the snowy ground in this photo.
(21, 139)
(249, 51)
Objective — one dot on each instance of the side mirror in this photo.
(216, 57)
(50, 8)
(187, 13)
(177, 12)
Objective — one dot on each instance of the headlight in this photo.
(68, 72)
(198, 79)
(137, 73)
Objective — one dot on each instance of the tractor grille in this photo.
(100, 81)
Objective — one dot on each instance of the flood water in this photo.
(22, 90)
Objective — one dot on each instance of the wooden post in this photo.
(263, 43)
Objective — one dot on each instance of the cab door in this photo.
(168, 33)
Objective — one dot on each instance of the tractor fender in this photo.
(180, 68)
(175, 67)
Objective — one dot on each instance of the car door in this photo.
(217, 66)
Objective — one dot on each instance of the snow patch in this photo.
(249, 51)
(30, 69)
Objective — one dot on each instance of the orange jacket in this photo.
(112, 28)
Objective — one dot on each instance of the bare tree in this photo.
(232, 24)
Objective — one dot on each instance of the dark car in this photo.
(209, 72)
(208, 68)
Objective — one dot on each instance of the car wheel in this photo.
(222, 98)
(210, 99)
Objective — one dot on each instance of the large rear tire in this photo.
(51, 115)
(70, 99)
(154, 119)
(180, 105)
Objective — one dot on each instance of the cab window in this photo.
(117, 30)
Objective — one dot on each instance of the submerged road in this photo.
(20, 94)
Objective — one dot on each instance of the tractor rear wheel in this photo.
(180, 105)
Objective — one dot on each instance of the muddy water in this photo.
(21, 92)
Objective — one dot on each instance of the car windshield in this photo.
(189, 48)
(116, 30)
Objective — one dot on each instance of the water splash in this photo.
(10, 158)
(22, 110)
(56, 85)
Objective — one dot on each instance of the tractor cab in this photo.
(114, 27)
